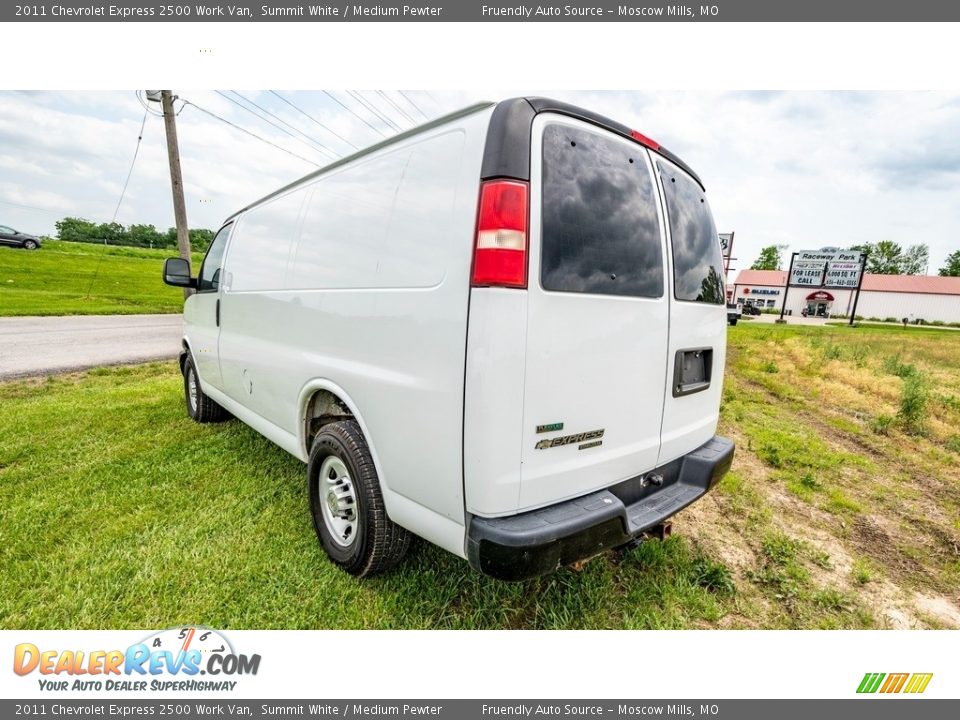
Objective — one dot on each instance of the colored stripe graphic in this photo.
(894, 683)
(870, 682)
(918, 683)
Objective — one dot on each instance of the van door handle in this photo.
(218, 312)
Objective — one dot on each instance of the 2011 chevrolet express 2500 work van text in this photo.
(503, 331)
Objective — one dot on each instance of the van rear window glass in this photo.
(601, 233)
(697, 261)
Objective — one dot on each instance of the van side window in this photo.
(697, 260)
(209, 280)
(601, 233)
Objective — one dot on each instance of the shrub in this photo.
(770, 367)
(862, 572)
(858, 353)
(713, 576)
(950, 401)
(913, 404)
(832, 352)
(809, 481)
(893, 365)
(882, 424)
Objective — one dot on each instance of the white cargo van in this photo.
(503, 331)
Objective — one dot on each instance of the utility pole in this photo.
(176, 179)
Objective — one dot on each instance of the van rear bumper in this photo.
(538, 542)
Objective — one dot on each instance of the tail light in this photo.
(500, 257)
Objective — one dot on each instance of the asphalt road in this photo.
(49, 345)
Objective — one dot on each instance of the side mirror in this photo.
(176, 272)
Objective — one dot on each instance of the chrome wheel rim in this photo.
(338, 501)
(192, 388)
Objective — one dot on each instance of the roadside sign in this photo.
(807, 273)
(827, 267)
(829, 255)
(842, 275)
(726, 248)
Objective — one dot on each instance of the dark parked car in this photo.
(750, 309)
(9, 236)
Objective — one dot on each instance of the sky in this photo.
(802, 169)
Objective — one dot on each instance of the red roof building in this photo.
(916, 297)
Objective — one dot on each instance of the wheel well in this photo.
(184, 354)
(323, 408)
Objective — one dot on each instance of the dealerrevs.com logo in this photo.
(180, 659)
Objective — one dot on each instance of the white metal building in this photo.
(917, 297)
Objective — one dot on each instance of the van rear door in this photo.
(698, 330)
(597, 313)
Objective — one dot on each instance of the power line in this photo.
(145, 104)
(260, 117)
(280, 119)
(123, 192)
(399, 109)
(304, 113)
(376, 113)
(355, 114)
(417, 107)
(387, 117)
(432, 99)
(32, 207)
(251, 134)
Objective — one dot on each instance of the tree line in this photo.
(78, 230)
(884, 258)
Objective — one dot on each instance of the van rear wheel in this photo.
(200, 407)
(347, 505)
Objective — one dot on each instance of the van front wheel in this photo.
(347, 505)
(200, 407)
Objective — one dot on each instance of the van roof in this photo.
(507, 150)
(469, 110)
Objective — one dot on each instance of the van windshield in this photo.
(697, 260)
(601, 233)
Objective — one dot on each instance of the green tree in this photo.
(200, 239)
(889, 258)
(144, 236)
(952, 267)
(111, 233)
(915, 260)
(74, 229)
(771, 258)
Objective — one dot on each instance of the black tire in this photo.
(733, 322)
(378, 543)
(200, 407)
(30, 245)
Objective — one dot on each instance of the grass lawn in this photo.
(62, 278)
(842, 511)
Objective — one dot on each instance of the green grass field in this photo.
(83, 279)
(842, 511)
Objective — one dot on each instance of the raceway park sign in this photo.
(828, 267)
